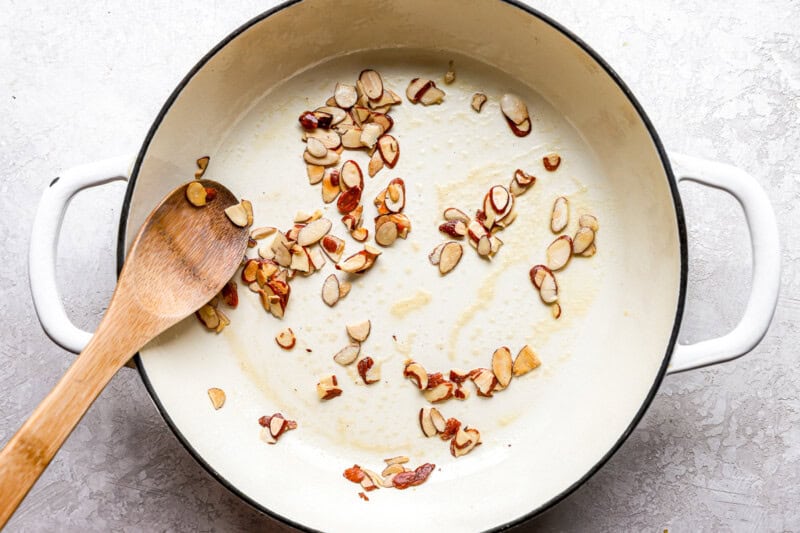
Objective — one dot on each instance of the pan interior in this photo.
(600, 359)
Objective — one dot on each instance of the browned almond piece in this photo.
(202, 165)
(496, 243)
(461, 393)
(416, 372)
(555, 310)
(548, 292)
(359, 331)
(368, 370)
(521, 182)
(333, 247)
(478, 99)
(330, 185)
(454, 228)
(559, 253)
(450, 75)
(301, 261)
(485, 381)
(348, 354)
(465, 442)
(360, 115)
(399, 460)
(375, 163)
(484, 246)
(384, 120)
(435, 256)
(499, 198)
(458, 376)
(394, 468)
(385, 231)
(441, 392)
(237, 214)
(350, 175)
(526, 361)
(559, 218)
(250, 269)
(475, 231)
(337, 113)
(286, 339)
(416, 88)
(313, 231)
(262, 232)
(584, 237)
(450, 256)
(351, 138)
(329, 139)
(514, 108)
(359, 262)
(349, 200)
(537, 274)
(196, 194)
(315, 173)
(360, 234)
(224, 321)
(352, 220)
(551, 161)
(501, 365)
(330, 158)
(588, 221)
(317, 258)
(432, 96)
(395, 199)
(217, 397)
(315, 147)
(389, 149)
(372, 84)
(438, 420)
(330, 290)
(425, 422)
(248, 209)
(265, 436)
(345, 95)
(520, 130)
(590, 251)
(344, 288)
(328, 388)
(370, 133)
(265, 252)
(451, 213)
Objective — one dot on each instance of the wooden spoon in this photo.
(182, 257)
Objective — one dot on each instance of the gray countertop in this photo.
(719, 448)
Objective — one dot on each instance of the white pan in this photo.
(602, 360)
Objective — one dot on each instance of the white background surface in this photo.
(718, 450)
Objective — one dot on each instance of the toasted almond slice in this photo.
(202, 165)
(348, 354)
(520, 130)
(359, 331)
(368, 370)
(374, 479)
(360, 234)
(385, 232)
(465, 441)
(484, 246)
(450, 256)
(300, 217)
(441, 392)
(262, 232)
(317, 258)
(432, 96)
(461, 393)
(237, 214)
(370, 134)
(514, 108)
(588, 221)
(394, 468)
(582, 240)
(416, 372)
(277, 425)
(344, 288)
(248, 209)
(286, 339)
(384, 120)
(435, 256)
(548, 292)
(537, 274)
(328, 388)
(330, 290)
(395, 199)
(451, 213)
(478, 99)
(372, 83)
(559, 253)
(560, 215)
(350, 175)
(416, 88)
(352, 220)
(450, 75)
(196, 194)
(499, 198)
(301, 261)
(485, 381)
(333, 247)
(217, 397)
(337, 114)
(330, 139)
(313, 231)
(330, 185)
(521, 182)
(526, 361)
(345, 95)
(389, 149)
(555, 310)
(330, 158)
(399, 460)
(438, 420)
(501, 365)
(551, 161)
(360, 115)
(265, 252)
(349, 200)
(315, 147)
(375, 163)
(314, 173)
(496, 243)
(454, 228)
(351, 138)
(266, 436)
(590, 251)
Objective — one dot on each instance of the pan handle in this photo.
(44, 243)
(766, 264)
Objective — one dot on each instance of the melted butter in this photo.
(403, 307)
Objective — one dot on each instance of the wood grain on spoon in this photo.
(181, 258)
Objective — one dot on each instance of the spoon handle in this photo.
(32, 448)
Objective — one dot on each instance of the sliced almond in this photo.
(359, 262)
(385, 232)
(548, 291)
(265, 436)
(382, 119)
(237, 214)
(375, 163)
(416, 372)
(262, 232)
(313, 232)
(359, 331)
(348, 354)
(315, 147)
(329, 139)
(360, 115)
(559, 253)
(588, 221)
(370, 134)
(484, 246)
(202, 165)
(478, 99)
(330, 158)
(499, 198)
(485, 381)
(501, 365)
(435, 256)
(395, 468)
(514, 108)
(351, 138)
(360, 234)
(461, 393)
(333, 247)
(560, 215)
(330, 290)
(265, 252)
(521, 182)
(286, 339)
(454, 228)
(451, 213)
(416, 88)
(349, 200)
(389, 149)
(450, 75)
(496, 243)
(551, 161)
(330, 185)
(520, 130)
(399, 460)
(537, 274)
(196, 194)
(328, 388)
(465, 440)
(584, 238)
(439, 393)
(314, 173)
(301, 261)
(372, 84)
(337, 114)
(432, 96)
(217, 397)
(590, 251)
(555, 310)
(450, 256)
(438, 420)
(350, 175)
(345, 95)
(526, 361)
(368, 370)
(395, 199)
(344, 288)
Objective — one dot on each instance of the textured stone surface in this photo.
(718, 450)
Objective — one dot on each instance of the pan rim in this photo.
(681, 228)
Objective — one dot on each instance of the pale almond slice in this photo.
(475, 230)
(450, 75)
(451, 213)
(370, 134)
(485, 381)
(499, 198)
(328, 388)
(359, 331)
(329, 139)
(501, 365)
(590, 251)
(248, 209)
(265, 252)
(360, 234)
(548, 291)
(360, 115)
(315, 173)
(372, 84)
(265, 436)
(478, 99)
(196, 194)
(330, 290)
(520, 130)
(224, 321)
(277, 425)
(537, 274)
(337, 113)
(438, 420)
(398, 460)
(416, 88)
(202, 165)
(385, 231)
(395, 468)
(375, 163)
(286, 339)
(317, 258)
(351, 138)
(384, 120)
(432, 96)
(560, 215)
(395, 199)
(555, 310)
(588, 221)
(348, 354)
(368, 370)
(237, 214)
(551, 161)
(345, 95)
(330, 158)
(301, 261)
(464, 442)
(441, 392)
(416, 372)
(559, 253)
(435, 256)
(450, 256)
(389, 149)
(350, 175)
(514, 108)
(330, 185)
(496, 243)
(313, 231)
(521, 182)
(484, 246)
(584, 238)
(315, 147)
(217, 397)
(526, 361)
(375, 480)
(344, 288)
(262, 232)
